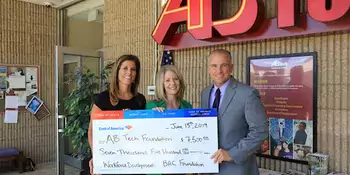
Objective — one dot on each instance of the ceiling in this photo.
(93, 14)
(54, 3)
(87, 10)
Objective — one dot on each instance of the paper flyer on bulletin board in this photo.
(11, 101)
(11, 116)
(11, 109)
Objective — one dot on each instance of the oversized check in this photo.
(148, 141)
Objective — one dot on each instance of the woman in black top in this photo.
(122, 93)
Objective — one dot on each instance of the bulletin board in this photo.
(288, 88)
(22, 80)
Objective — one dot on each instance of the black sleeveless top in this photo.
(103, 102)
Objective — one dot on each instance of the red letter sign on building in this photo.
(287, 12)
(197, 13)
(317, 9)
(199, 17)
(199, 20)
(241, 22)
(169, 20)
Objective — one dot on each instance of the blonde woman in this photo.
(122, 93)
(170, 90)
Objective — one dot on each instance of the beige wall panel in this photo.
(333, 95)
(82, 34)
(27, 36)
(128, 29)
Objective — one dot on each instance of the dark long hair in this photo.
(114, 93)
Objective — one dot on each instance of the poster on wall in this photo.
(3, 76)
(34, 105)
(288, 88)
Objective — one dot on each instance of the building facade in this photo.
(333, 99)
(28, 35)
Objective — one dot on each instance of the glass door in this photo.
(68, 62)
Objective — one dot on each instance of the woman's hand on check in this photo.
(159, 109)
(92, 168)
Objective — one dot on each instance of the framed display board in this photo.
(288, 89)
(34, 105)
(21, 80)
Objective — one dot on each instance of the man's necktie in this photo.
(216, 103)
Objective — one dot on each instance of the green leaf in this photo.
(78, 104)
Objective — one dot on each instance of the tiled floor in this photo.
(46, 169)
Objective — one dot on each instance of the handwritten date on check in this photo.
(147, 141)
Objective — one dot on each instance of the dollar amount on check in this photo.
(147, 141)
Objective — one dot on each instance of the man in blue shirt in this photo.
(242, 123)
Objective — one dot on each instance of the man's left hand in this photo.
(221, 156)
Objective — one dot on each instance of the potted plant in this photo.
(77, 107)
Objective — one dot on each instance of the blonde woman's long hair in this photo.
(160, 91)
(114, 93)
